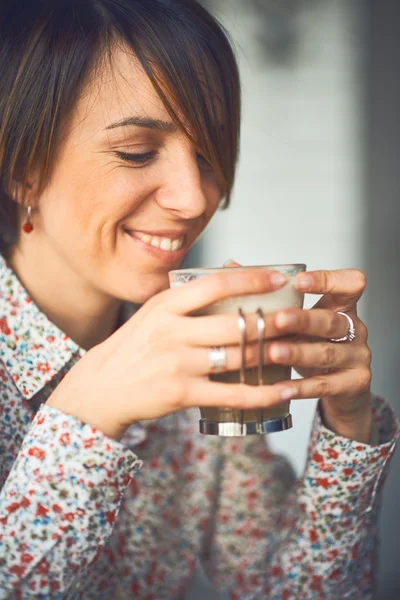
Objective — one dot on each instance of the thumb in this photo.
(231, 263)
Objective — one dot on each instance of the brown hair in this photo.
(48, 50)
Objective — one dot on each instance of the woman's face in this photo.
(128, 195)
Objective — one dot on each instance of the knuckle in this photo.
(364, 379)
(328, 355)
(180, 392)
(323, 387)
(366, 355)
(295, 354)
(304, 320)
(327, 283)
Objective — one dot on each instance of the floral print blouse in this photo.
(85, 517)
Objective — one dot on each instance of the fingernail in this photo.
(278, 279)
(279, 353)
(288, 393)
(228, 262)
(303, 282)
(285, 320)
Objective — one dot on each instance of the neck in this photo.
(82, 313)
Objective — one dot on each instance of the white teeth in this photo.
(176, 245)
(165, 244)
(156, 242)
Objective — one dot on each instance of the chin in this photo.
(144, 288)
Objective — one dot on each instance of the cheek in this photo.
(94, 205)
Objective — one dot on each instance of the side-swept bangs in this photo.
(49, 50)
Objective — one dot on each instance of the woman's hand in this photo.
(338, 373)
(158, 362)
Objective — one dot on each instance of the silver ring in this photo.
(217, 360)
(243, 339)
(351, 334)
(261, 334)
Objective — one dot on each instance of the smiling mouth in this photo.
(161, 243)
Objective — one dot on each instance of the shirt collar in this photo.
(32, 348)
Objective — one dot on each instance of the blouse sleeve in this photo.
(59, 504)
(314, 539)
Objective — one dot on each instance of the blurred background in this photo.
(318, 180)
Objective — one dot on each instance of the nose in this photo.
(182, 191)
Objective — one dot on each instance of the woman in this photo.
(118, 142)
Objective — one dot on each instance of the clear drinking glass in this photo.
(234, 422)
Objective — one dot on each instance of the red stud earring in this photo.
(27, 226)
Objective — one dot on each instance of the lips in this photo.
(165, 243)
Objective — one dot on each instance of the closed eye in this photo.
(145, 157)
(138, 159)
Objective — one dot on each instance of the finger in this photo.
(198, 294)
(223, 330)
(197, 361)
(231, 264)
(319, 323)
(345, 286)
(203, 392)
(316, 356)
(350, 382)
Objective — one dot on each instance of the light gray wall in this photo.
(299, 195)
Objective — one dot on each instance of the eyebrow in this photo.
(147, 123)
